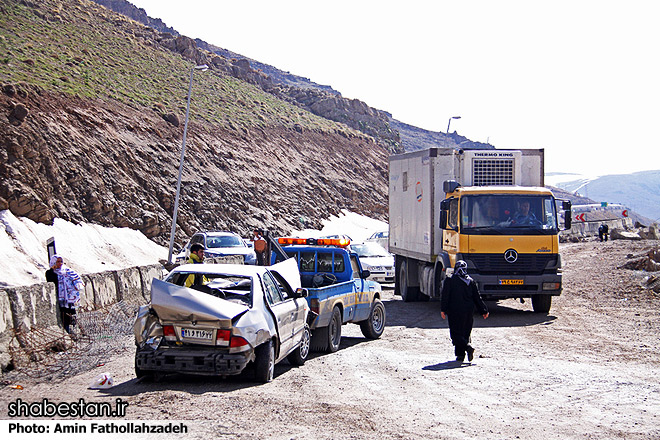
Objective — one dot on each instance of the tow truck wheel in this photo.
(373, 327)
(299, 355)
(334, 331)
(265, 362)
(541, 303)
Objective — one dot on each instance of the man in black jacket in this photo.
(460, 296)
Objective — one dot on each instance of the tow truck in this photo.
(338, 289)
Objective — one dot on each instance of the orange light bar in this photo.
(291, 240)
(314, 241)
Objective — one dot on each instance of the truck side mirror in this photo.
(365, 274)
(301, 292)
(568, 216)
(444, 213)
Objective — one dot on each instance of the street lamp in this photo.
(448, 124)
(202, 68)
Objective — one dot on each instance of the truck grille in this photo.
(527, 264)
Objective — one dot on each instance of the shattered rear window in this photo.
(230, 287)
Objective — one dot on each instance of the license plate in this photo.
(194, 333)
(512, 282)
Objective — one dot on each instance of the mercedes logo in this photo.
(511, 256)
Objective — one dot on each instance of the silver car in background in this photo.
(219, 244)
(231, 316)
(376, 260)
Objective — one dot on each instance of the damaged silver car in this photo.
(229, 317)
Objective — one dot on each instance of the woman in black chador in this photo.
(460, 296)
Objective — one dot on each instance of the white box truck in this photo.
(486, 207)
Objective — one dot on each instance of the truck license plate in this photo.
(193, 333)
(512, 282)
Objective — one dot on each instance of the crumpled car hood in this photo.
(288, 269)
(177, 303)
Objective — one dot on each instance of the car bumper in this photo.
(382, 277)
(204, 362)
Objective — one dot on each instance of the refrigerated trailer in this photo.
(448, 204)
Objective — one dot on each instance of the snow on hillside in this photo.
(356, 226)
(86, 248)
(568, 181)
(89, 248)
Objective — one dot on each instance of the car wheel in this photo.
(541, 303)
(139, 372)
(373, 327)
(334, 331)
(265, 362)
(299, 355)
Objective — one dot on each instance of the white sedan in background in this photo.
(376, 260)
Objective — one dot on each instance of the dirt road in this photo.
(590, 369)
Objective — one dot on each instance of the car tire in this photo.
(541, 303)
(299, 355)
(373, 327)
(334, 331)
(265, 362)
(139, 372)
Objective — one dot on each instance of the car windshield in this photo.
(230, 287)
(224, 241)
(495, 214)
(365, 250)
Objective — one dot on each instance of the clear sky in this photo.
(580, 78)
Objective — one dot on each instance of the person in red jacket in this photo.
(460, 297)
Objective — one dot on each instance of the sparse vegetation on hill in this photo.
(92, 107)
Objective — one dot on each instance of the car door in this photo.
(364, 291)
(284, 311)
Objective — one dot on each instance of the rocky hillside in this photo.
(319, 100)
(93, 106)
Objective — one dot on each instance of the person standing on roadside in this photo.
(460, 297)
(68, 285)
(196, 257)
(259, 245)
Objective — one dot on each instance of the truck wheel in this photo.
(265, 362)
(373, 327)
(334, 331)
(299, 355)
(541, 303)
(408, 294)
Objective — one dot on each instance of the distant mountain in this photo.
(415, 138)
(321, 100)
(638, 191)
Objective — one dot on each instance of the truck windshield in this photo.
(517, 214)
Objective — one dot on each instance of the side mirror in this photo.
(444, 213)
(365, 274)
(568, 216)
(301, 292)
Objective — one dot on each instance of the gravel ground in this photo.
(587, 370)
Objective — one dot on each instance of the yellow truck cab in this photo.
(503, 223)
